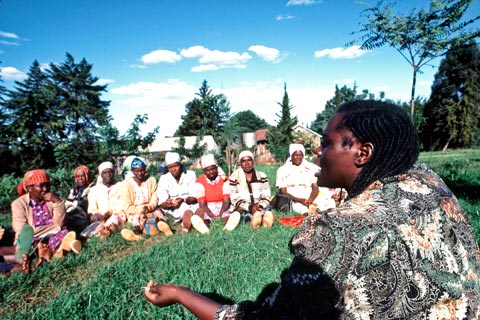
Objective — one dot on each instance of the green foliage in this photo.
(206, 115)
(54, 113)
(8, 190)
(453, 111)
(280, 137)
(419, 36)
(247, 121)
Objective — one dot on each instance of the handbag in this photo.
(281, 203)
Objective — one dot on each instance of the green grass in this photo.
(106, 280)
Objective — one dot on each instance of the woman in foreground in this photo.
(399, 247)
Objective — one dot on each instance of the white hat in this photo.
(208, 160)
(296, 147)
(245, 153)
(104, 165)
(171, 158)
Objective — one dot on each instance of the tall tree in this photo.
(453, 111)
(32, 126)
(206, 114)
(341, 95)
(419, 36)
(280, 137)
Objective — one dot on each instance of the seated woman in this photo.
(139, 200)
(400, 247)
(39, 216)
(77, 200)
(296, 180)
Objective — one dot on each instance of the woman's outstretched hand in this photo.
(161, 295)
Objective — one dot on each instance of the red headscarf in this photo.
(34, 177)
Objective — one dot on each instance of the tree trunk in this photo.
(412, 97)
(445, 147)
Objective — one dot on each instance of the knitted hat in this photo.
(171, 158)
(208, 160)
(34, 177)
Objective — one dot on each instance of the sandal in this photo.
(24, 241)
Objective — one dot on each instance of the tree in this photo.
(341, 95)
(247, 121)
(453, 111)
(280, 137)
(206, 115)
(32, 122)
(419, 36)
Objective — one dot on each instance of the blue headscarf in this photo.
(137, 162)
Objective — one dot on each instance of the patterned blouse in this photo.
(402, 249)
(244, 193)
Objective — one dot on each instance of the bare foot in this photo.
(26, 264)
(44, 252)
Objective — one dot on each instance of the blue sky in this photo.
(154, 54)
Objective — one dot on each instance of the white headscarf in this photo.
(208, 160)
(245, 153)
(101, 167)
(293, 148)
(171, 158)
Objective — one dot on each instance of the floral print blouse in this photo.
(402, 249)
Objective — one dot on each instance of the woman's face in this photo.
(338, 160)
(211, 172)
(80, 178)
(37, 191)
(139, 174)
(247, 164)
(175, 170)
(107, 177)
(297, 157)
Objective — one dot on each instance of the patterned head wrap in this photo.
(138, 162)
(88, 177)
(208, 160)
(34, 177)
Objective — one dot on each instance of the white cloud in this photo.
(102, 82)
(9, 43)
(341, 53)
(425, 83)
(266, 53)
(302, 2)
(205, 67)
(284, 17)
(165, 102)
(138, 66)
(224, 57)
(158, 56)
(194, 52)
(8, 35)
(11, 73)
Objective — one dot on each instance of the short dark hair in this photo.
(389, 129)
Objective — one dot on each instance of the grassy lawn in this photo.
(106, 280)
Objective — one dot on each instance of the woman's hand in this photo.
(161, 295)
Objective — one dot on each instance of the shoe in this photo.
(129, 235)
(232, 221)
(256, 220)
(267, 219)
(89, 231)
(199, 225)
(163, 227)
(76, 246)
(67, 241)
(24, 241)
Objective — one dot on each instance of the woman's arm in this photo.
(163, 295)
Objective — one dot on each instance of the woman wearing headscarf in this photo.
(139, 200)
(39, 215)
(104, 203)
(296, 179)
(77, 201)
